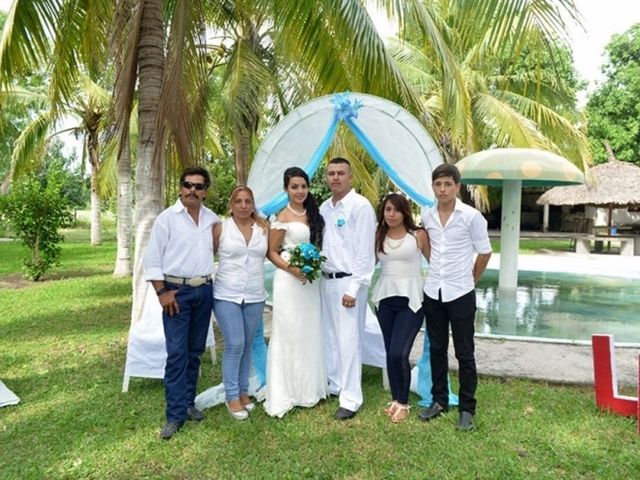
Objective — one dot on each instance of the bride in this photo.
(296, 374)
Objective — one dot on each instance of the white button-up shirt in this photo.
(240, 275)
(179, 247)
(452, 250)
(348, 239)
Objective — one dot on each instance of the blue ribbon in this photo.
(346, 110)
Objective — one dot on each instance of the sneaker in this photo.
(194, 414)
(170, 429)
(465, 422)
(434, 411)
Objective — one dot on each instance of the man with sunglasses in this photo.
(178, 261)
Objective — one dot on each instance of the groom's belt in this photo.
(192, 282)
(329, 276)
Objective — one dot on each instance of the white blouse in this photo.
(401, 272)
(240, 275)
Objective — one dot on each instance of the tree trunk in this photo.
(96, 223)
(123, 267)
(242, 152)
(94, 161)
(149, 170)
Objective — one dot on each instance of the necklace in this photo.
(297, 214)
(394, 243)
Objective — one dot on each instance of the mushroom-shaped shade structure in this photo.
(513, 168)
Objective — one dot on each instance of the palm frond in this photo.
(184, 81)
(123, 45)
(569, 140)
(508, 126)
(30, 145)
(26, 36)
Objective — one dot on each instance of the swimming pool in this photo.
(560, 306)
(555, 305)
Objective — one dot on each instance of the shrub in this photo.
(35, 209)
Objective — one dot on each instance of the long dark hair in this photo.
(402, 205)
(316, 222)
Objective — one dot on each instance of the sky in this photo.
(602, 18)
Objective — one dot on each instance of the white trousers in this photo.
(343, 332)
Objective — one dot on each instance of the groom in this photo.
(348, 244)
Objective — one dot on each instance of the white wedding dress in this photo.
(296, 372)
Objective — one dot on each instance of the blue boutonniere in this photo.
(340, 222)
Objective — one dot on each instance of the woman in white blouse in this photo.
(239, 294)
(400, 245)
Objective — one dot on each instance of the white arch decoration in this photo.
(393, 137)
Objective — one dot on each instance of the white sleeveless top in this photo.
(240, 275)
(400, 274)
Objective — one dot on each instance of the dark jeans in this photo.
(460, 314)
(399, 325)
(186, 335)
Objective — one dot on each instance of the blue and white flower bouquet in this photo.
(307, 258)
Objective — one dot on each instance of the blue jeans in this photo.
(399, 325)
(186, 336)
(238, 323)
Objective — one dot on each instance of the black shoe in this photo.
(465, 422)
(170, 429)
(194, 414)
(344, 414)
(434, 411)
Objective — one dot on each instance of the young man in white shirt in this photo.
(178, 261)
(456, 232)
(348, 244)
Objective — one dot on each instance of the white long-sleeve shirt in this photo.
(349, 238)
(452, 250)
(179, 247)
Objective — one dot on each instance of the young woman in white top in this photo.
(400, 245)
(239, 294)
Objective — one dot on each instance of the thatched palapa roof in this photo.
(613, 184)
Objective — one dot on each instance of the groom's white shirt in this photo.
(349, 238)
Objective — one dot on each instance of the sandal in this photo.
(401, 413)
(391, 408)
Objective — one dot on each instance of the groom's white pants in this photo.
(343, 330)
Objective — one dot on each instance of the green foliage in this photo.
(223, 181)
(614, 108)
(73, 184)
(35, 209)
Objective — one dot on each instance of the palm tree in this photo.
(59, 36)
(493, 104)
(89, 104)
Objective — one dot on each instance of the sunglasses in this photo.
(197, 186)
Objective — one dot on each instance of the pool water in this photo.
(554, 306)
(560, 306)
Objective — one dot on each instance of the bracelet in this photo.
(162, 291)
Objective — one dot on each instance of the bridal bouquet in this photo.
(307, 258)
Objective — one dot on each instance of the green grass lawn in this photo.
(62, 350)
(530, 246)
